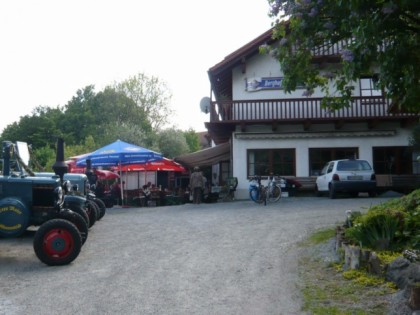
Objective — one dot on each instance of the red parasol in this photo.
(161, 165)
(104, 174)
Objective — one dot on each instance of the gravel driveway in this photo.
(224, 258)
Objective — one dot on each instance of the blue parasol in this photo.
(119, 153)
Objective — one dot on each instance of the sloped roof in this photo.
(220, 75)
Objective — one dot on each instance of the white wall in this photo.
(265, 66)
(302, 146)
(135, 180)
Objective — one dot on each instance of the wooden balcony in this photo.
(225, 115)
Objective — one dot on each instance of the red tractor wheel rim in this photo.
(58, 243)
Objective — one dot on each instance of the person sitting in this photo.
(99, 189)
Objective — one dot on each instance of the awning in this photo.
(206, 157)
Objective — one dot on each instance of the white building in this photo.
(290, 135)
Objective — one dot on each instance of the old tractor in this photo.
(27, 200)
(81, 196)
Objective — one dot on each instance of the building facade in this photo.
(290, 134)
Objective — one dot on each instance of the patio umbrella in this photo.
(105, 174)
(162, 165)
(119, 153)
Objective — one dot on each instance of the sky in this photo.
(50, 49)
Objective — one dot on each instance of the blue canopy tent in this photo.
(119, 153)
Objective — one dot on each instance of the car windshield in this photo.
(353, 165)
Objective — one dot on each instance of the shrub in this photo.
(391, 225)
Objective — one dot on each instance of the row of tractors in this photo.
(60, 205)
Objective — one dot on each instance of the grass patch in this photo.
(329, 290)
(318, 237)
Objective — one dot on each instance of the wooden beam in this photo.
(274, 126)
(339, 124)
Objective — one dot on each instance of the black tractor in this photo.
(27, 200)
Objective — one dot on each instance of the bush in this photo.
(391, 225)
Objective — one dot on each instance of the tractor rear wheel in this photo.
(57, 242)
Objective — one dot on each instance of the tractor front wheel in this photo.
(77, 220)
(92, 211)
(57, 242)
(102, 208)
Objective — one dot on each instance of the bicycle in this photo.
(273, 190)
(257, 191)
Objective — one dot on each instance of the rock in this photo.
(374, 264)
(403, 273)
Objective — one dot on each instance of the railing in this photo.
(299, 109)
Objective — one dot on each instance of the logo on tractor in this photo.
(10, 228)
(11, 208)
(16, 211)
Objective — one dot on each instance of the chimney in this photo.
(6, 157)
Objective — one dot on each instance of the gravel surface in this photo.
(224, 258)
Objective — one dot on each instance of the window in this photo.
(277, 161)
(369, 88)
(224, 172)
(319, 156)
(393, 160)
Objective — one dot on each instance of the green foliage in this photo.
(391, 225)
(192, 139)
(172, 143)
(133, 111)
(363, 278)
(151, 97)
(415, 138)
(381, 40)
(321, 236)
(43, 159)
(39, 129)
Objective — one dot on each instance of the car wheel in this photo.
(332, 192)
(317, 192)
(372, 193)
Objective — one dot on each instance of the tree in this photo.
(192, 139)
(383, 43)
(39, 129)
(151, 95)
(415, 138)
(79, 120)
(172, 143)
(106, 116)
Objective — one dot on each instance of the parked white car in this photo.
(346, 176)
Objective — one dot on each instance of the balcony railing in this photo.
(300, 109)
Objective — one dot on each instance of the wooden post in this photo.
(414, 300)
(354, 257)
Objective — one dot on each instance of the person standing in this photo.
(116, 193)
(197, 185)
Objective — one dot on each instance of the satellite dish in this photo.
(205, 104)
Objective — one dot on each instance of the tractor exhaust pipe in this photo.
(6, 157)
(60, 168)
